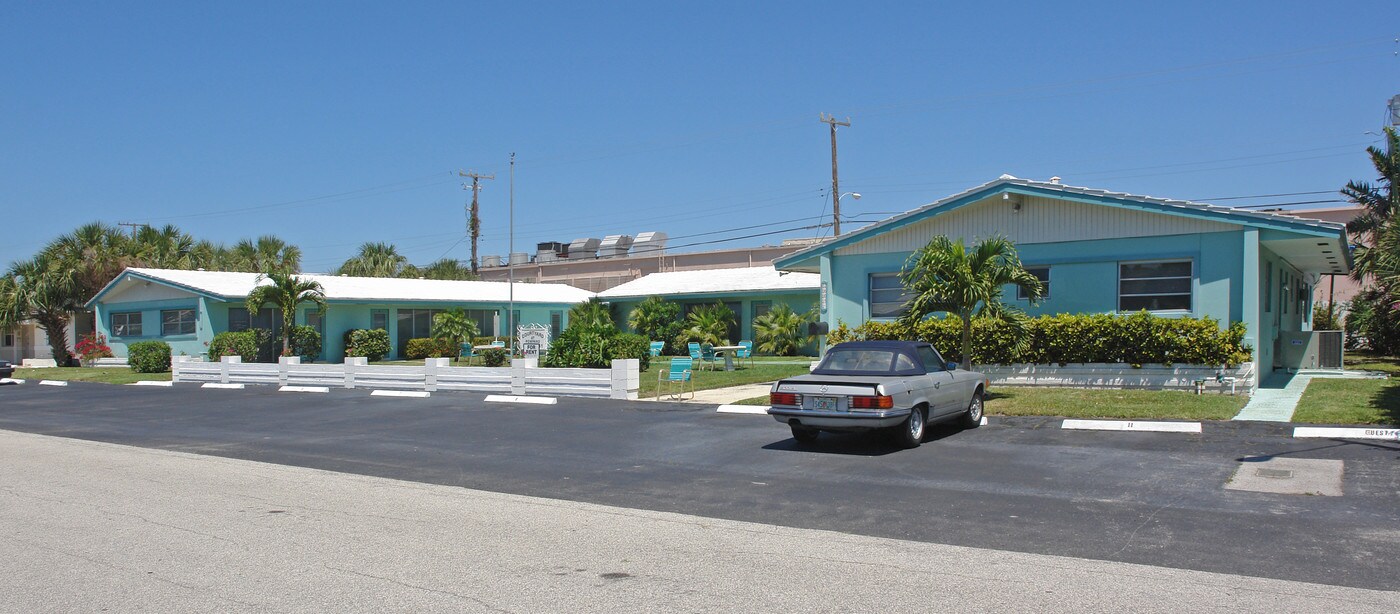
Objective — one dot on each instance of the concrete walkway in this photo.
(722, 396)
(1278, 395)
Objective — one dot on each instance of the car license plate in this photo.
(826, 403)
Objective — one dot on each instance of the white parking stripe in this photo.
(1132, 425)
(415, 394)
(506, 398)
(319, 389)
(743, 409)
(1379, 432)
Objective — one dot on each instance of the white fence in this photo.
(1115, 375)
(523, 377)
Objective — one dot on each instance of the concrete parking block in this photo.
(52, 382)
(506, 398)
(315, 389)
(1132, 425)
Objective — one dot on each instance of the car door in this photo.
(938, 381)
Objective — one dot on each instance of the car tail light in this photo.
(785, 398)
(876, 402)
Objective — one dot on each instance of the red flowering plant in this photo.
(92, 347)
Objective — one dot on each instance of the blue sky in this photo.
(338, 123)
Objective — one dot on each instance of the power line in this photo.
(1220, 198)
(301, 202)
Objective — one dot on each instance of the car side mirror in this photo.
(952, 366)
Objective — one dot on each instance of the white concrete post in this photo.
(224, 367)
(284, 365)
(430, 367)
(175, 363)
(518, 367)
(350, 363)
(626, 378)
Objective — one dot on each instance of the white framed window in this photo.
(126, 324)
(1158, 285)
(1043, 274)
(177, 322)
(887, 296)
(9, 340)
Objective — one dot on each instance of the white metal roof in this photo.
(714, 281)
(387, 289)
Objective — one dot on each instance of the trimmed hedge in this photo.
(1135, 339)
(494, 357)
(306, 342)
(371, 343)
(427, 347)
(148, 356)
(243, 343)
(596, 348)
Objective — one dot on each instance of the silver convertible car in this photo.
(866, 385)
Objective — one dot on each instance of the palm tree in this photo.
(944, 276)
(657, 319)
(709, 324)
(455, 326)
(36, 289)
(286, 292)
(268, 254)
(1379, 204)
(591, 314)
(165, 248)
(782, 331)
(375, 260)
(88, 258)
(447, 268)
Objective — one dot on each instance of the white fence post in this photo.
(283, 366)
(175, 363)
(350, 363)
(430, 367)
(224, 366)
(626, 378)
(517, 374)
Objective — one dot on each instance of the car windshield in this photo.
(859, 360)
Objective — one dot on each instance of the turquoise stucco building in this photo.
(1100, 252)
(187, 308)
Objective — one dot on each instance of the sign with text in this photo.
(533, 339)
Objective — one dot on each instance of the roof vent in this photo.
(615, 246)
(517, 258)
(653, 243)
(1055, 180)
(586, 248)
(491, 261)
(1006, 176)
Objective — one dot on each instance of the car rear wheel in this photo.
(972, 418)
(911, 433)
(804, 434)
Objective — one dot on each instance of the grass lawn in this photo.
(1080, 403)
(104, 375)
(1367, 361)
(1350, 401)
(765, 369)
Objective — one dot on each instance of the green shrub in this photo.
(1135, 339)
(148, 356)
(306, 342)
(347, 341)
(371, 343)
(494, 357)
(419, 349)
(595, 347)
(243, 343)
(627, 345)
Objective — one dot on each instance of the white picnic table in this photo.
(728, 354)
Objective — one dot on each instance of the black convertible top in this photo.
(874, 358)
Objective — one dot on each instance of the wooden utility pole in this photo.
(473, 213)
(835, 185)
(134, 226)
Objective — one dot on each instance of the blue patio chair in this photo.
(465, 351)
(677, 376)
(656, 347)
(746, 353)
(708, 356)
(694, 349)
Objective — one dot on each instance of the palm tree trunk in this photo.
(56, 327)
(967, 343)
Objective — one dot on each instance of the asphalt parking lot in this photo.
(1022, 485)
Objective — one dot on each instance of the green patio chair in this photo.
(676, 378)
(709, 357)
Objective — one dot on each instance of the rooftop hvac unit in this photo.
(519, 258)
(649, 243)
(556, 248)
(582, 249)
(492, 261)
(615, 246)
(546, 257)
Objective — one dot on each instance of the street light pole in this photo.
(510, 260)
